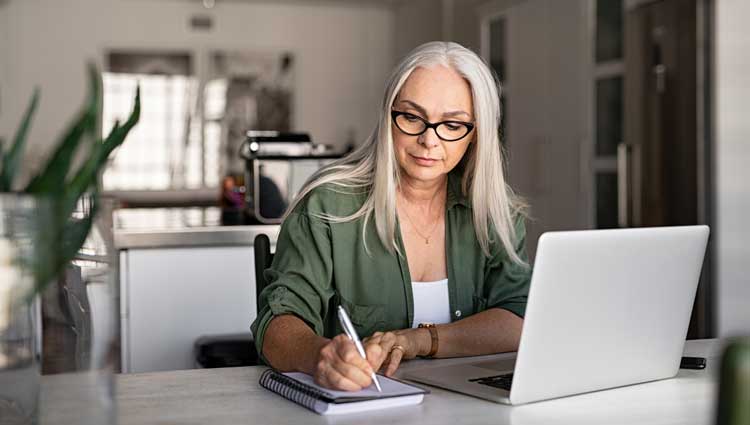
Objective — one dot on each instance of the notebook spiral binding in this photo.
(291, 389)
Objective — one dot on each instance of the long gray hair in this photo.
(373, 167)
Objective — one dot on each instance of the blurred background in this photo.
(617, 113)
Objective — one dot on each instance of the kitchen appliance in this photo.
(277, 165)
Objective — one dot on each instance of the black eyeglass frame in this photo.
(428, 125)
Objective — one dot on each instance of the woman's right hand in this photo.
(341, 367)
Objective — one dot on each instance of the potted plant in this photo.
(42, 229)
(733, 406)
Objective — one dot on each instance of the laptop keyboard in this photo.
(497, 381)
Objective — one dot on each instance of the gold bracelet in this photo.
(433, 336)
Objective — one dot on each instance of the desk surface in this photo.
(233, 396)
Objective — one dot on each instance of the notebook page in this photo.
(390, 387)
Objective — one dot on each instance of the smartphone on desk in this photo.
(693, 363)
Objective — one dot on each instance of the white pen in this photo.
(352, 334)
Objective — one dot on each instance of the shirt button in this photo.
(458, 313)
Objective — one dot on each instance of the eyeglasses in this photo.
(413, 125)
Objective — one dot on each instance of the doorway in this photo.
(662, 163)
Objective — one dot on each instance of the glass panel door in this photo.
(608, 112)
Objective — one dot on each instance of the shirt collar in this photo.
(455, 193)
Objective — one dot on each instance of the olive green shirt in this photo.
(319, 265)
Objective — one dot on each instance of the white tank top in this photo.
(431, 302)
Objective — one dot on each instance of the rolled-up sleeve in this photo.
(299, 279)
(507, 283)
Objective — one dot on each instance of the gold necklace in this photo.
(429, 234)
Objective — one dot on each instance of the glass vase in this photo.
(66, 331)
(80, 331)
(20, 321)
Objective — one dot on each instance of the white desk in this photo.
(233, 396)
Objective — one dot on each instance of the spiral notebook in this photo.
(301, 389)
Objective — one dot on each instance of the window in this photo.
(164, 151)
(191, 125)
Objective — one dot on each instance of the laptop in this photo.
(606, 308)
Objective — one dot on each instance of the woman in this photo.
(415, 227)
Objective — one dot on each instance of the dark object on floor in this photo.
(228, 350)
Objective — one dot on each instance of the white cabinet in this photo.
(172, 296)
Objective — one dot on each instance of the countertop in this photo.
(182, 227)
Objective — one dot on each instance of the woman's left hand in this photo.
(395, 346)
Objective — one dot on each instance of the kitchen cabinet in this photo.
(173, 292)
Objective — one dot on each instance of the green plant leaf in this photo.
(12, 158)
(52, 179)
(76, 231)
(88, 173)
(61, 235)
(60, 244)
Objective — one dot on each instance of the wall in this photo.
(547, 110)
(417, 22)
(732, 156)
(420, 21)
(4, 61)
(343, 53)
(465, 25)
